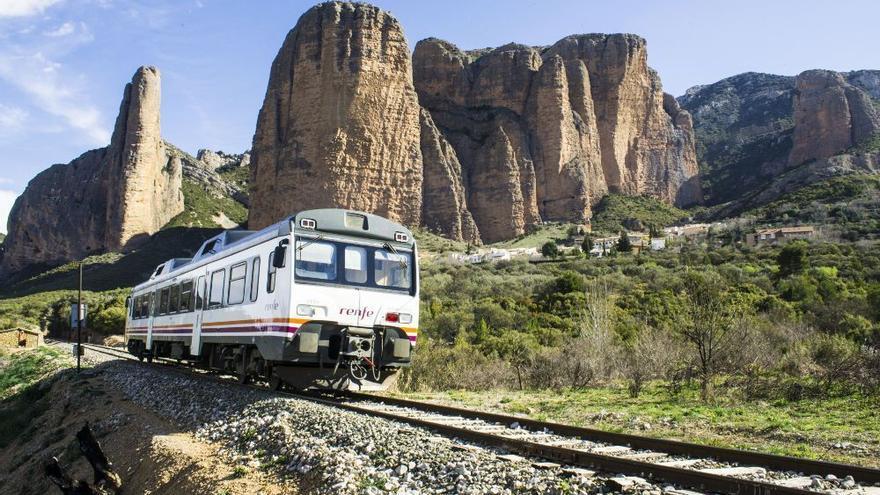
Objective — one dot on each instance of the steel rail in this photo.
(686, 478)
(778, 462)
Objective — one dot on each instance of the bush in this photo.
(549, 250)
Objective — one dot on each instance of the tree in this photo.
(707, 323)
(623, 244)
(587, 245)
(792, 259)
(549, 250)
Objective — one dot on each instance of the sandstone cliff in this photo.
(339, 126)
(830, 116)
(542, 134)
(761, 135)
(107, 199)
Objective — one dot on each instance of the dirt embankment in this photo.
(151, 454)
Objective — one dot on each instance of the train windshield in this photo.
(319, 260)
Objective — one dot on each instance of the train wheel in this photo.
(275, 382)
(150, 357)
(242, 371)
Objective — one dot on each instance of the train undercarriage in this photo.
(348, 358)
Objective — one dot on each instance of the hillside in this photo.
(760, 136)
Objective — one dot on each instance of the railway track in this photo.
(634, 459)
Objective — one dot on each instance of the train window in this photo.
(135, 307)
(154, 303)
(143, 308)
(237, 277)
(316, 260)
(186, 296)
(174, 301)
(392, 269)
(270, 279)
(163, 300)
(355, 264)
(255, 278)
(215, 297)
(200, 292)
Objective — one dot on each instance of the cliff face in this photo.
(339, 126)
(508, 138)
(107, 199)
(830, 115)
(759, 135)
(542, 134)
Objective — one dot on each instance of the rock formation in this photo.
(218, 160)
(339, 126)
(542, 134)
(107, 199)
(762, 135)
(830, 116)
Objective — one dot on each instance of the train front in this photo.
(355, 298)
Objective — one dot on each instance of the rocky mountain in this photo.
(759, 135)
(536, 134)
(476, 146)
(107, 199)
(339, 125)
(115, 198)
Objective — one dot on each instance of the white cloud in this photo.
(12, 120)
(62, 30)
(54, 92)
(7, 198)
(23, 8)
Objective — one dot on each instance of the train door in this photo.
(195, 347)
(152, 313)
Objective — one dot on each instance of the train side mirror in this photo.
(279, 256)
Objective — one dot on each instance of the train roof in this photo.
(324, 220)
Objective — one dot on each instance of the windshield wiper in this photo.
(401, 260)
(311, 241)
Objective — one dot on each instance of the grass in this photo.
(21, 369)
(616, 212)
(201, 208)
(538, 237)
(23, 397)
(806, 428)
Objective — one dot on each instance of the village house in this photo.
(781, 234)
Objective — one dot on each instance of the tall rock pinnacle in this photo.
(339, 125)
(108, 198)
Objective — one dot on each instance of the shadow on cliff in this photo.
(108, 271)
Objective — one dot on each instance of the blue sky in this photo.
(64, 63)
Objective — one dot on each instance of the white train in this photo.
(325, 298)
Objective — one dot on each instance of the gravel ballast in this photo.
(339, 451)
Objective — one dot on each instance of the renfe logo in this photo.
(361, 313)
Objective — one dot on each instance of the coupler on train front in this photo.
(330, 356)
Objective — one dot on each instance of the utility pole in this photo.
(79, 318)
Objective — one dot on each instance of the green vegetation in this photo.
(807, 428)
(797, 321)
(549, 250)
(429, 241)
(23, 393)
(21, 369)
(616, 212)
(204, 210)
(538, 236)
(52, 309)
(846, 205)
(112, 270)
(237, 176)
(2, 237)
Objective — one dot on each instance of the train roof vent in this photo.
(233, 236)
(176, 263)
